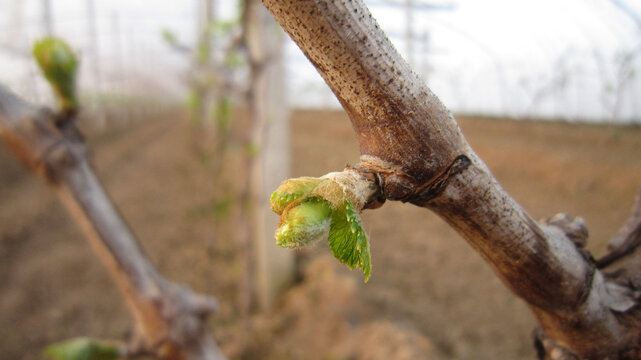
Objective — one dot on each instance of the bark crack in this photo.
(395, 184)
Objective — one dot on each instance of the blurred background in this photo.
(573, 60)
(196, 110)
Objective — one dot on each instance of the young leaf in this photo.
(303, 223)
(169, 37)
(82, 349)
(348, 240)
(58, 64)
(292, 190)
(223, 112)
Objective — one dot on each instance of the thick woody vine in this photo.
(412, 150)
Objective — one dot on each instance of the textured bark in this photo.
(170, 319)
(413, 149)
(627, 240)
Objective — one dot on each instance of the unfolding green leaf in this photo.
(59, 65)
(304, 223)
(309, 207)
(169, 37)
(203, 52)
(82, 349)
(348, 240)
(194, 99)
(234, 60)
(223, 113)
(252, 150)
(292, 190)
(222, 27)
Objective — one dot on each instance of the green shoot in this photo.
(312, 207)
(304, 223)
(292, 190)
(59, 66)
(82, 349)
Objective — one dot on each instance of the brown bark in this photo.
(627, 240)
(170, 319)
(413, 149)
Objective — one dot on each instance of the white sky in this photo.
(550, 58)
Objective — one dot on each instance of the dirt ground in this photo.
(430, 296)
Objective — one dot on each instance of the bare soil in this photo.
(430, 296)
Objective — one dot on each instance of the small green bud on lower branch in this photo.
(82, 349)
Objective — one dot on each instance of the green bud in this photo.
(311, 207)
(59, 66)
(304, 223)
(82, 349)
(292, 190)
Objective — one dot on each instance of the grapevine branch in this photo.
(413, 150)
(170, 319)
